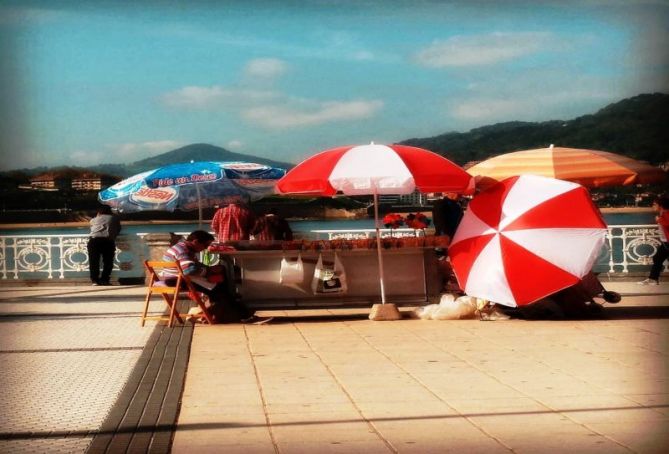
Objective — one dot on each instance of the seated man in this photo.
(206, 279)
(575, 302)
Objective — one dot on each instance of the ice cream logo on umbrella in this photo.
(158, 196)
(245, 166)
(202, 177)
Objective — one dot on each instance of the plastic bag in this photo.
(292, 272)
(425, 312)
(449, 308)
(329, 279)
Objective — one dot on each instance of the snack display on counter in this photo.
(336, 244)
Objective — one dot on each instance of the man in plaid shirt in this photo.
(232, 223)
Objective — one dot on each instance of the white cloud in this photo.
(234, 145)
(479, 50)
(269, 68)
(122, 153)
(30, 15)
(310, 113)
(270, 109)
(86, 157)
(214, 97)
(528, 107)
(135, 151)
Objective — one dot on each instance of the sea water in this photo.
(302, 226)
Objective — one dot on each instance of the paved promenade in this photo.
(65, 354)
(333, 381)
(308, 383)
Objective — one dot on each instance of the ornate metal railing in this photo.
(629, 248)
(37, 257)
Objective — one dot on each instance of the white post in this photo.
(378, 247)
(199, 207)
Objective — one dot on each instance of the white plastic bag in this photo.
(425, 312)
(292, 272)
(454, 309)
(329, 279)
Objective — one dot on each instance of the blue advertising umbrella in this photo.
(191, 186)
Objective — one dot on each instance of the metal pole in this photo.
(378, 247)
(199, 207)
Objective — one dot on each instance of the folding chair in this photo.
(182, 287)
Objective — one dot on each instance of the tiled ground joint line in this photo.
(520, 391)
(427, 388)
(369, 423)
(263, 398)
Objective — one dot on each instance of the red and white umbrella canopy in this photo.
(372, 170)
(380, 169)
(525, 238)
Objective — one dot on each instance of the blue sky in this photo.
(93, 82)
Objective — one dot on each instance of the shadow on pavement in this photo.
(151, 428)
(636, 312)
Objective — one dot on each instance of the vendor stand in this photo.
(411, 267)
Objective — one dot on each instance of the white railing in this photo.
(59, 256)
(630, 248)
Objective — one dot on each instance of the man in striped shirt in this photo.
(186, 253)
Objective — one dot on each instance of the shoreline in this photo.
(626, 210)
(38, 225)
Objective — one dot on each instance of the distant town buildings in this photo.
(414, 199)
(70, 179)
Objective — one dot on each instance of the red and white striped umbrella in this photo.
(372, 170)
(375, 169)
(525, 238)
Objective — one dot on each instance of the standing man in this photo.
(272, 227)
(446, 215)
(661, 206)
(105, 227)
(232, 223)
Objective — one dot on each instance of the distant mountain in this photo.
(636, 127)
(193, 152)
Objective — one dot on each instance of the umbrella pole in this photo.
(378, 247)
(199, 207)
(381, 311)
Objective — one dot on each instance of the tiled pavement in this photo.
(65, 354)
(346, 384)
(333, 381)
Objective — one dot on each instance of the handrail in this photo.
(628, 248)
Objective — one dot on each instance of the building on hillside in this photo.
(90, 181)
(416, 198)
(50, 181)
(77, 180)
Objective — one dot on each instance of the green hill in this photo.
(193, 152)
(635, 127)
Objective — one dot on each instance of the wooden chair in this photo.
(182, 287)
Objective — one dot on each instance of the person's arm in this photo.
(192, 268)
(215, 221)
(115, 226)
(663, 218)
(188, 265)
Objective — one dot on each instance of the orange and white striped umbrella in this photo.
(590, 168)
